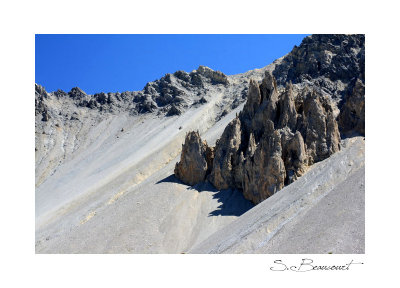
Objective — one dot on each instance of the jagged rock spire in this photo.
(253, 99)
(196, 160)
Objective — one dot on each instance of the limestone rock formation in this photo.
(294, 120)
(292, 117)
(352, 116)
(170, 95)
(40, 106)
(226, 156)
(86, 143)
(146, 106)
(293, 154)
(272, 141)
(170, 89)
(216, 77)
(318, 126)
(283, 140)
(324, 60)
(77, 93)
(335, 64)
(196, 160)
(173, 111)
(264, 170)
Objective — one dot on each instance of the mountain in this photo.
(104, 165)
(281, 132)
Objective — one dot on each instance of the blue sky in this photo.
(117, 63)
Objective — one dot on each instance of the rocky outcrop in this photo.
(335, 64)
(77, 93)
(226, 156)
(145, 105)
(264, 170)
(168, 91)
(272, 141)
(196, 160)
(278, 140)
(317, 125)
(293, 154)
(60, 93)
(40, 106)
(352, 115)
(324, 60)
(291, 119)
(216, 77)
(171, 94)
(173, 111)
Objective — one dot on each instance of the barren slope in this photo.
(109, 195)
(104, 165)
(322, 212)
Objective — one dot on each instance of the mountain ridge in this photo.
(104, 165)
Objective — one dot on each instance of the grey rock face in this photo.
(336, 65)
(216, 77)
(171, 94)
(60, 93)
(40, 91)
(264, 170)
(273, 140)
(283, 140)
(77, 93)
(146, 106)
(196, 158)
(352, 115)
(173, 111)
(318, 126)
(169, 91)
(334, 57)
(293, 154)
(226, 156)
(40, 106)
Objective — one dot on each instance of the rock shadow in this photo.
(351, 134)
(170, 179)
(232, 201)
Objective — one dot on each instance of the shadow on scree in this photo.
(232, 201)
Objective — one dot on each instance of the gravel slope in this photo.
(119, 195)
(322, 212)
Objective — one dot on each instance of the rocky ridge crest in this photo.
(167, 95)
(334, 64)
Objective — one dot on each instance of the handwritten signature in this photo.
(308, 265)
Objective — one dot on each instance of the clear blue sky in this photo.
(117, 63)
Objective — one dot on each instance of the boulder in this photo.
(216, 77)
(173, 111)
(77, 93)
